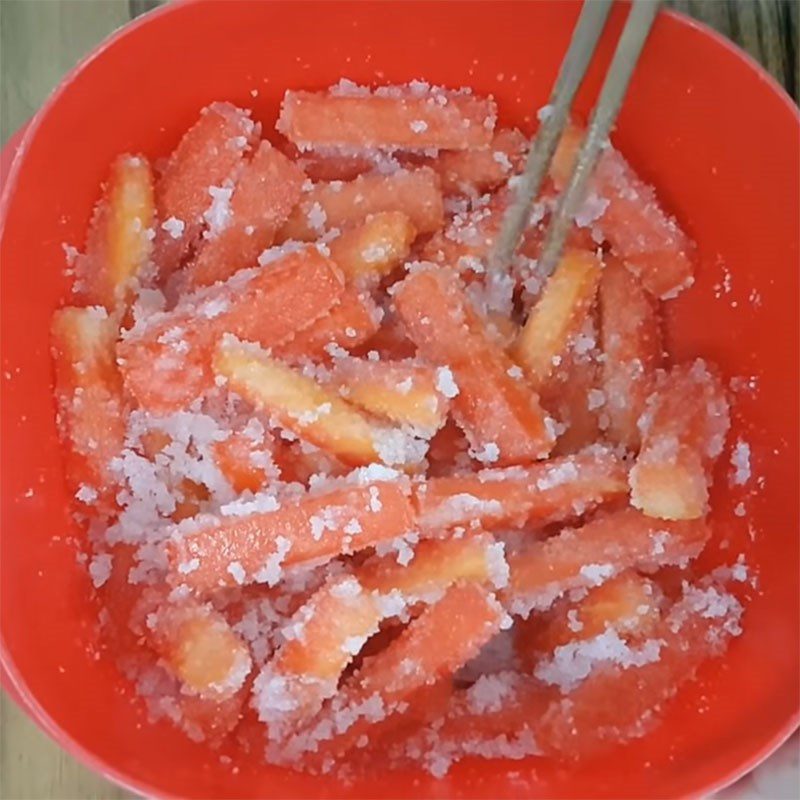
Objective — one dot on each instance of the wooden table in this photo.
(39, 41)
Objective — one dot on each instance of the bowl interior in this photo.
(721, 144)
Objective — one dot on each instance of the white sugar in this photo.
(497, 566)
(254, 430)
(739, 571)
(214, 307)
(186, 567)
(557, 475)
(70, 253)
(352, 527)
(592, 209)
(246, 505)
(405, 553)
(595, 398)
(573, 623)
(219, 213)
(174, 227)
(317, 525)
(271, 572)
(740, 461)
(336, 351)
(710, 602)
(317, 217)
(353, 644)
(348, 88)
(464, 506)
(347, 587)
(375, 252)
(399, 545)
(100, 569)
(597, 573)
(490, 693)
(313, 415)
(272, 694)
(392, 604)
(445, 382)
(237, 571)
(553, 428)
(86, 494)
(660, 539)
(487, 454)
(572, 663)
(364, 476)
(396, 446)
(274, 253)
(503, 160)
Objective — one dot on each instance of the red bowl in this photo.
(702, 122)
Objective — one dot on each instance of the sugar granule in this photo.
(71, 253)
(347, 587)
(174, 227)
(219, 213)
(740, 461)
(237, 571)
(317, 217)
(100, 569)
(503, 160)
(86, 494)
(185, 567)
(445, 382)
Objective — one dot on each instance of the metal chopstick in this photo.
(626, 56)
(637, 28)
(587, 32)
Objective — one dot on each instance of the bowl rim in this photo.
(29, 129)
(11, 679)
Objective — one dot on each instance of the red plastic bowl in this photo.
(717, 137)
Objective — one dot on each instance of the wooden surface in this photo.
(39, 41)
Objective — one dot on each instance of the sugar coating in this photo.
(490, 693)
(497, 566)
(572, 663)
(168, 482)
(254, 504)
(597, 573)
(271, 572)
(350, 587)
(556, 476)
(398, 446)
